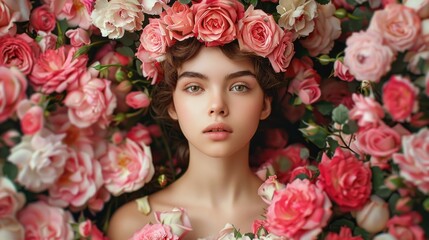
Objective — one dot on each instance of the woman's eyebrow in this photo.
(240, 74)
(204, 77)
(192, 75)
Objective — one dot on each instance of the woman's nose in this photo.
(217, 105)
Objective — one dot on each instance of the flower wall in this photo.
(348, 142)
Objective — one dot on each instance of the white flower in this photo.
(297, 16)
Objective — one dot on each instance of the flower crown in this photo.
(214, 22)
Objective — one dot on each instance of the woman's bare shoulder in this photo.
(127, 220)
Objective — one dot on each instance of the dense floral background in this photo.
(348, 143)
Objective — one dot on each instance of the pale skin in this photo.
(218, 186)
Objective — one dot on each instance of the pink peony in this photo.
(154, 231)
(10, 199)
(19, 51)
(179, 21)
(282, 55)
(339, 177)
(137, 100)
(398, 25)
(42, 221)
(258, 32)
(414, 161)
(366, 111)
(299, 211)
(58, 70)
(367, 57)
(126, 167)
(400, 97)
(42, 19)
(406, 226)
(12, 90)
(215, 21)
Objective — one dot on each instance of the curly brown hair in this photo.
(179, 53)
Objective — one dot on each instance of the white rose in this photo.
(374, 215)
(297, 16)
(10, 228)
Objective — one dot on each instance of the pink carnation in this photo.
(299, 211)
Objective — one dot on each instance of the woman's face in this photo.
(218, 103)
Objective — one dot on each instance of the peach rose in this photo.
(414, 161)
(42, 221)
(215, 21)
(342, 72)
(40, 159)
(398, 25)
(366, 111)
(137, 99)
(367, 57)
(299, 211)
(10, 200)
(12, 90)
(338, 177)
(400, 97)
(406, 226)
(179, 20)
(154, 231)
(327, 28)
(153, 42)
(114, 17)
(374, 215)
(258, 32)
(18, 51)
(10, 228)
(92, 103)
(297, 16)
(177, 219)
(282, 55)
(126, 167)
(380, 142)
(43, 19)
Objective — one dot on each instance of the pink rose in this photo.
(380, 142)
(414, 161)
(406, 226)
(154, 231)
(42, 221)
(267, 189)
(177, 219)
(47, 41)
(299, 211)
(307, 89)
(10, 199)
(137, 100)
(11, 228)
(374, 215)
(10, 138)
(92, 103)
(58, 70)
(12, 90)
(302, 170)
(140, 134)
(108, 56)
(32, 120)
(366, 111)
(126, 167)
(338, 177)
(342, 72)
(400, 97)
(152, 70)
(420, 6)
(89, 230)
(367, 57)
(398, 25)
(282, 55)
(7, 20)
(344, 234)
(42, 19)
(179, 21)
(327, 29)
(78, 37)
(77, 14)
(153, 42)
(258, 32)
(22, 7)
(215, 21)
(18, 51)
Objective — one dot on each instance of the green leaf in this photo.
(361, 232)
(392, 202)
(383, 192)
(10, 170)
(337, 224)
(352, 2)
(325, 108)
(323, 2)
(184, 1)
(350, 128)
(340, 114)
(377, 177)
(333, 145)
(302, 176)
(426, 204)
(126, 51)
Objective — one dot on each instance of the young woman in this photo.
(217, 97)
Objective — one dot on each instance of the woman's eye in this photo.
(239, 88)
(193, 89)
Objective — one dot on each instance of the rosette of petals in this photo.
(42, 19)
(31, 116)
(367, 57)
(327, 29)
(398, 25)
(93, 102)
(126, 167)
(414, 161)
(282, 55)
(115, 17)
(297, 16)
(19, 51)
(154, 41)
(177, 219)
(77, 13)
(42, 221)
(57, 70)
(12, 90)
(10, 199)
(179, 20)
(307, 89)
(11, 228)
(342, 72)
(79, 182)
(215, 21)
(154, 231)
(366, 111)
(299, 211)
(258, 32)
(339, 177)
(400, 98)
(40, 159)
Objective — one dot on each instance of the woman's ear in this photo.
(266, 108)
(172, 112)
